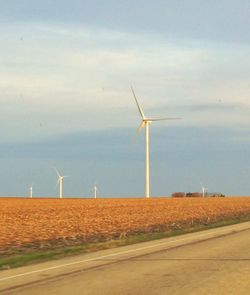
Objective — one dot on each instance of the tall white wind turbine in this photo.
(145, 124)
(203, 190)
(60, 183)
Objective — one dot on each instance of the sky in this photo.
(66, 68)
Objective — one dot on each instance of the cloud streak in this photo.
(56, 71)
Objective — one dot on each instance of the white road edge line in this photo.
(109, 255)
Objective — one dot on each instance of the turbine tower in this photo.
(95, 190)
(203, 190)
(60, 182)
(31, 192)
(146, 121)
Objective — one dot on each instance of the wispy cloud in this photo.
(71, 78)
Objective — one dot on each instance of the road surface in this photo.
(215, 261)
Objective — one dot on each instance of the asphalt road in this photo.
(209, 262)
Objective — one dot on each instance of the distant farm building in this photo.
(196, 195)
(178, 195)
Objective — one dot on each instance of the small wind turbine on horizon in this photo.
(203, 190)
(60, 182)
(95, 191)
(31, 191)
(146, 121)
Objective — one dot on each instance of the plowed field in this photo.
(39, 223)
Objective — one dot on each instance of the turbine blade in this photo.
(58, 174)
(138, 130)
(162, 119)
(137, 103)
(141, 126)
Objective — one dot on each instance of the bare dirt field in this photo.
(45, 223)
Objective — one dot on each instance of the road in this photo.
(215, 261)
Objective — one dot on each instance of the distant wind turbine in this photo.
(145, 123)
(60, 182)
(31, 192)
(203, 190)
(95, 191)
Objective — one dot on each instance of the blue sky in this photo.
(65, 73)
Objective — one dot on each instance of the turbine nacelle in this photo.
(146, 120)
(62, 176)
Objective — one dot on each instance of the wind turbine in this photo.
(31, 192)
(203, 190)
(95, 191)
(60, 182)
(146, 121)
